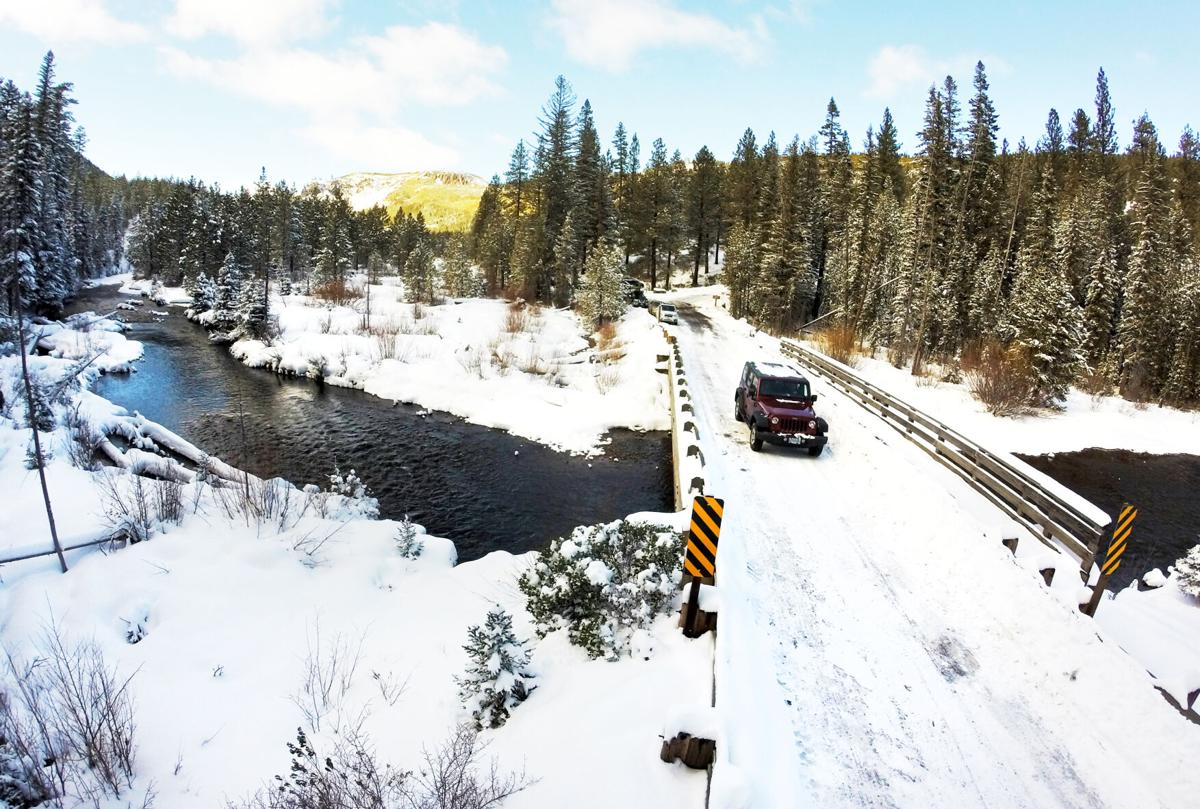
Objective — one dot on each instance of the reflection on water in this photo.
(1163, 487)
(483, 488)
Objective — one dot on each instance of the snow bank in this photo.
(86, 336)
(1161, 629)
(532, 372)
(1086, 421)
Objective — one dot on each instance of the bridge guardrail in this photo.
(1040, 510)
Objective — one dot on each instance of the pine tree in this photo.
(741, 268)
(497, 679)
(781, 262)
(593, 197)
(703, 208)
(600, 298)
(254, 310)
(888, 155)
(516, 179)
(20, 206)
(458, 274)
(743, 183)
(1045, 322)
(420, 274)
(228, 294)
(1104, 131)
(1143, 318)
(335, 256)
(554, 166)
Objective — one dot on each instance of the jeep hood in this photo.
(795, 408)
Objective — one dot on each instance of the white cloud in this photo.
(250, 21)
(69, 20)
(610, 33)
(435, 64)
(382, 146)
(896, 68)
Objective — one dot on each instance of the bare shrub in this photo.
(329, 670)
(72, 714)
(452, 776)
(128, 509)
(533, 362)
(1096, 382)
(386, 335)
(471, 359)
(516, 318)
(606, 335)
(1002, 381)
(84, 441)
(339, 293)
(259, 502)
(607, 378)
(840, 342)
(351, 776)
(168, 501)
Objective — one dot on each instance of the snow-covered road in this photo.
(878, 645)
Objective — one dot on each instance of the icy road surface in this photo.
(879, 647)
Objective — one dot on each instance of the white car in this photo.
(667, 313)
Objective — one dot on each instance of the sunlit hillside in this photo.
(446, 199)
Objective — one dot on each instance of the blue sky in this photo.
(313, 88)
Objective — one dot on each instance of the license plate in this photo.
(793, 439)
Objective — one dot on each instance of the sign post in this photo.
(700, 558)
(1112, 558)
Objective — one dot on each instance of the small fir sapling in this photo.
(1186, 572)
(496, 680)
(408, 539)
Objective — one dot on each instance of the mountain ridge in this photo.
(446, 199)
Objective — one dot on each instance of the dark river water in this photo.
(485, 489)
(1164, 488)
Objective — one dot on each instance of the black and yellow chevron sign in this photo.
(1120, 537)
(700, 558)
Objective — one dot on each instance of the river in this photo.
(1162, 487)
(483, 488)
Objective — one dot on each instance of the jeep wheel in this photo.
(756, 442)
(815, 451)
(737, 411)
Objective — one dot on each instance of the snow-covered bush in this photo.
(356, 499)
(408, 539)
(495, 682)
(604, 583)
(1186, 572)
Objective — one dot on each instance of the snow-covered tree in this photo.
(421, 273)
(600, 299)
(496, 680)
(228, 294)
(1186, 572)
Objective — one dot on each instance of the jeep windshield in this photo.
(783, 388)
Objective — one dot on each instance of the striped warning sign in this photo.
(700, 558)
(1120, 537)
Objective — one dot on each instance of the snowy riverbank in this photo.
(529, 370)
(219, 616)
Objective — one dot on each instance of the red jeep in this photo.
(778, 403)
